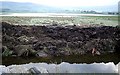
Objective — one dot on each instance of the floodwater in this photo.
(70, 59)
(86, 64)
(64, 67)
(52, 14)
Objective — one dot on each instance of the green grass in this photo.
(79, 20)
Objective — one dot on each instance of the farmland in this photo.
(71, 20)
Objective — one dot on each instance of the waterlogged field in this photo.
(70, 64)
(63, 20)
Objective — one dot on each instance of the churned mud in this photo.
(55, 40)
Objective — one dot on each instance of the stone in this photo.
(24, 50)
(41, 54)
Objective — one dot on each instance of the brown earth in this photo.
(57, 40)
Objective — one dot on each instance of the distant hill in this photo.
(26, 7)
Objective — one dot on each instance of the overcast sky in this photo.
(70, 3)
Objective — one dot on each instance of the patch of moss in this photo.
(7, 52)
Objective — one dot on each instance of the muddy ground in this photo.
(55, 40)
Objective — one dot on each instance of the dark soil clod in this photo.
(57, 40)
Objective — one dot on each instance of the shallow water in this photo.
(71, 59)
(107, 63)
(63, 67)
(52, 14)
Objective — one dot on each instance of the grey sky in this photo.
(70, 3)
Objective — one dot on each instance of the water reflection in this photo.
(71, 59)
(64, 67)
(70, 64)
